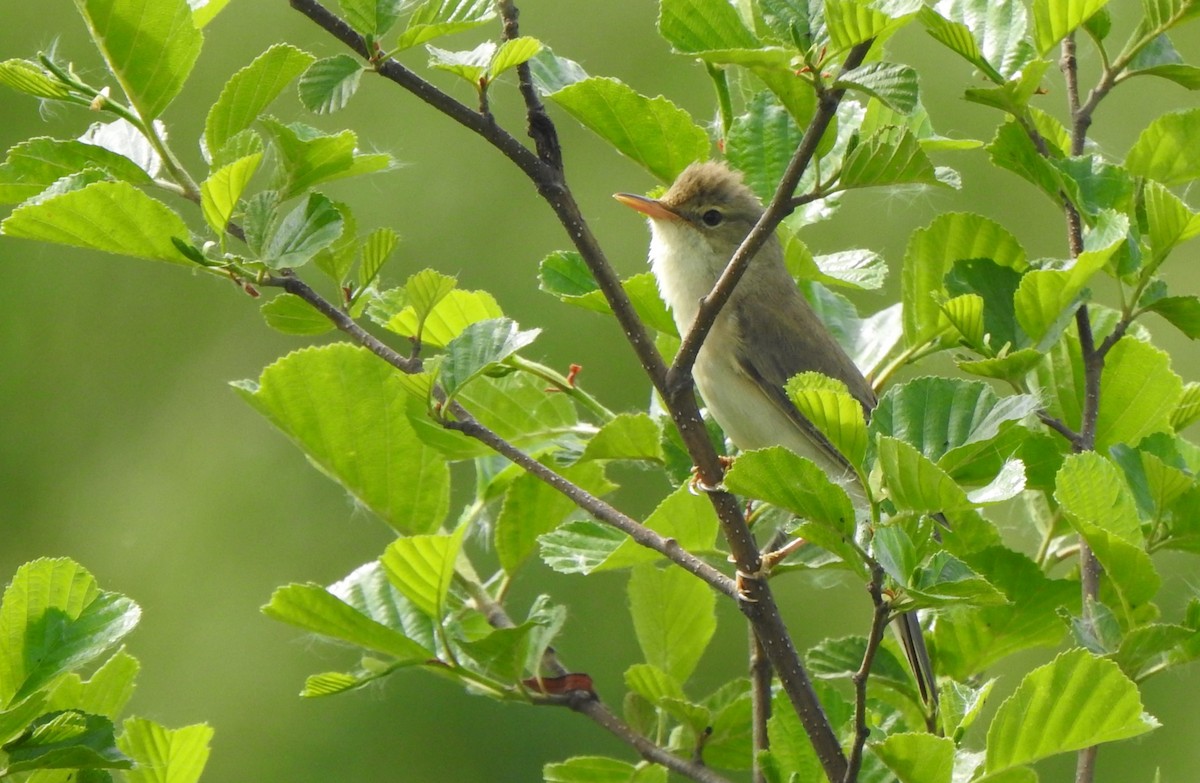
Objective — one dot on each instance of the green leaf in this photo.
(917, 758)
(1169, 221)
(249, 91)
(1090, 488)
(932, 252)
(150, 47)
(471, 66)
(683, 517)
(313, 608)
(372, 18)
(915, 483)
(988, 34)
(833, 410)
(1074, 702)
(290, 314)
(204, 11)
(329, 83)
(479, 348)
(1138, 394)
(580, 547)
(971, 639)
(890, 157)
(761, 142)
(532, 507)
(892, 83)
(437, 18)
(105, 693)
(66, 740)
(422, 567)
(32, 79)
(565, 275)
(551, 73)
(163, 755)
(513, 52)
(113, 217)
(1014, 95)
(944, 417)
(54, 619)
(832, 659)
(653, 132)
(36, 164)
(293, 239)
(347, 411)
(790, 745)
(220, 193)
(589, 769)
(376, 250)
(308, 158)
(692, 26)
(673, 617)
(449, 317)
(629, 436)
(851, 22)
(1165, 150)
(1182, 312)
(1054, 21)
(1012, 149)
(959, 706)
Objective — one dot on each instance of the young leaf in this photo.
(163, 755)
(887, 158)
(313, 608)
(1165, 150)
(653, 132)
(376, 250)
(1138, 394)
(151, 50)
(290, 314)
(312, 225)
(580, 547)
(372, 18)
(1054, 21)
(330, 83)
(220, 193)
(347, 411)
(54, 618)
(32, 79)
(479, 348)
(512, 53)
(917, 758)
(65, 740)
(589, 769)
(629, 436)
(828, 404)
(932, 252)
(105, 693)
(437, 18)
(249, 91)
(309, 158)
(692, 26)
(422, 567)
(892, 83)
(988, 34)
(851, 22)
(692, 524)
(114, 217)
(1090, 488)
(551, 73)
(532, 507)
(673, 617)
(1182, 312)
(1073, 702)
(36, 164)
(204, 11)
(471, 66)
(760, 143)
(914, 483)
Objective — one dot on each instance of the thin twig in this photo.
(860, 678)
(540, 127)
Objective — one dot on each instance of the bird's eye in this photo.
(712, 218)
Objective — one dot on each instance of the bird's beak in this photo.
(651, 208)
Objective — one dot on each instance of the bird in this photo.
(766, 333)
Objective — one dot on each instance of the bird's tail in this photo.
(912, 639)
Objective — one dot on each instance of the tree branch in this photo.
(540, 128)
(760, 699)
(879, 621)
(757, 602)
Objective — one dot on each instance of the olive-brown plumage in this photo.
(766, 333)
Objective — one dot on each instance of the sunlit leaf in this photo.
(249, 91)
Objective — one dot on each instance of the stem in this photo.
(879, 621)
(720, 82)
(563, 384)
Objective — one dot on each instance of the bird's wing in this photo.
(790, 339)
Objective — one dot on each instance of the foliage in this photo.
(55, 623)
(1068, 406)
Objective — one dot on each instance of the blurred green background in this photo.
(122, 447)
